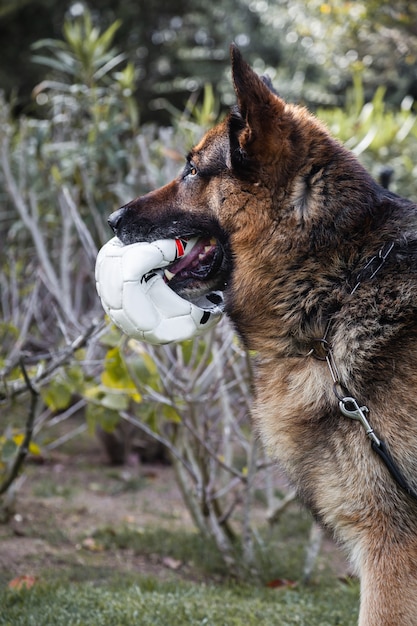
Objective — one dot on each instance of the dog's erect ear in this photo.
(259, 106)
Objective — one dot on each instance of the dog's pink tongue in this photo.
(199, 251)
(184, 261)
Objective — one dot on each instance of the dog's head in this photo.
(204, 200)
(248, 179)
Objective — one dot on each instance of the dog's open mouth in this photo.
(198, 276)
(200, 264)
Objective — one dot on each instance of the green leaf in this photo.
(51, 62)
(116, 375)
(111, 337)
(49, 43)
(107, 67)
(34, 449)
(151, 418)
(8, 329)
(75, 377)
(100, 416)
(8, 449)
(57, 396)
(171, 414)
(114, 401)
(145, 369)
(106, 39)
(114, 368)
(93, 393)
(109, 420)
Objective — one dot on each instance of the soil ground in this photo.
(68, 496)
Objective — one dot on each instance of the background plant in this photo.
(384, 139)
(57, 176)
(308, 48)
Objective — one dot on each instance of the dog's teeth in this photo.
(207, 249)
(168, 275)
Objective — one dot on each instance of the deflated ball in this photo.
(133, 292)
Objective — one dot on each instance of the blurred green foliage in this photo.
(309, 48)
(383, 138)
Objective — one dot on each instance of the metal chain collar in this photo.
(372, 267)
(348, 404)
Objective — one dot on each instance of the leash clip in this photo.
(358, 413)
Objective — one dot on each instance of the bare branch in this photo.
(65, 263)
(13, 358)
(67, 437)
(274, 514)
(94, 212)
(313, 549)
(212, 453)
(30, 223)
(24, 447)
(84, 235)
(15, 388)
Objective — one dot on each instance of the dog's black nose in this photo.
(115, 219)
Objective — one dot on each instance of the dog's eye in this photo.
(191, 170)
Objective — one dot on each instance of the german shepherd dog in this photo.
(318, 264)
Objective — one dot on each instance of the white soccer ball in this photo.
(133, 292)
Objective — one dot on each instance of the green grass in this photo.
(149, 603)
(181, 545)
(280, 552)
(92, 595)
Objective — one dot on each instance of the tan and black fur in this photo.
(297, 219)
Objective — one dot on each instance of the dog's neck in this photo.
(303, 323)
